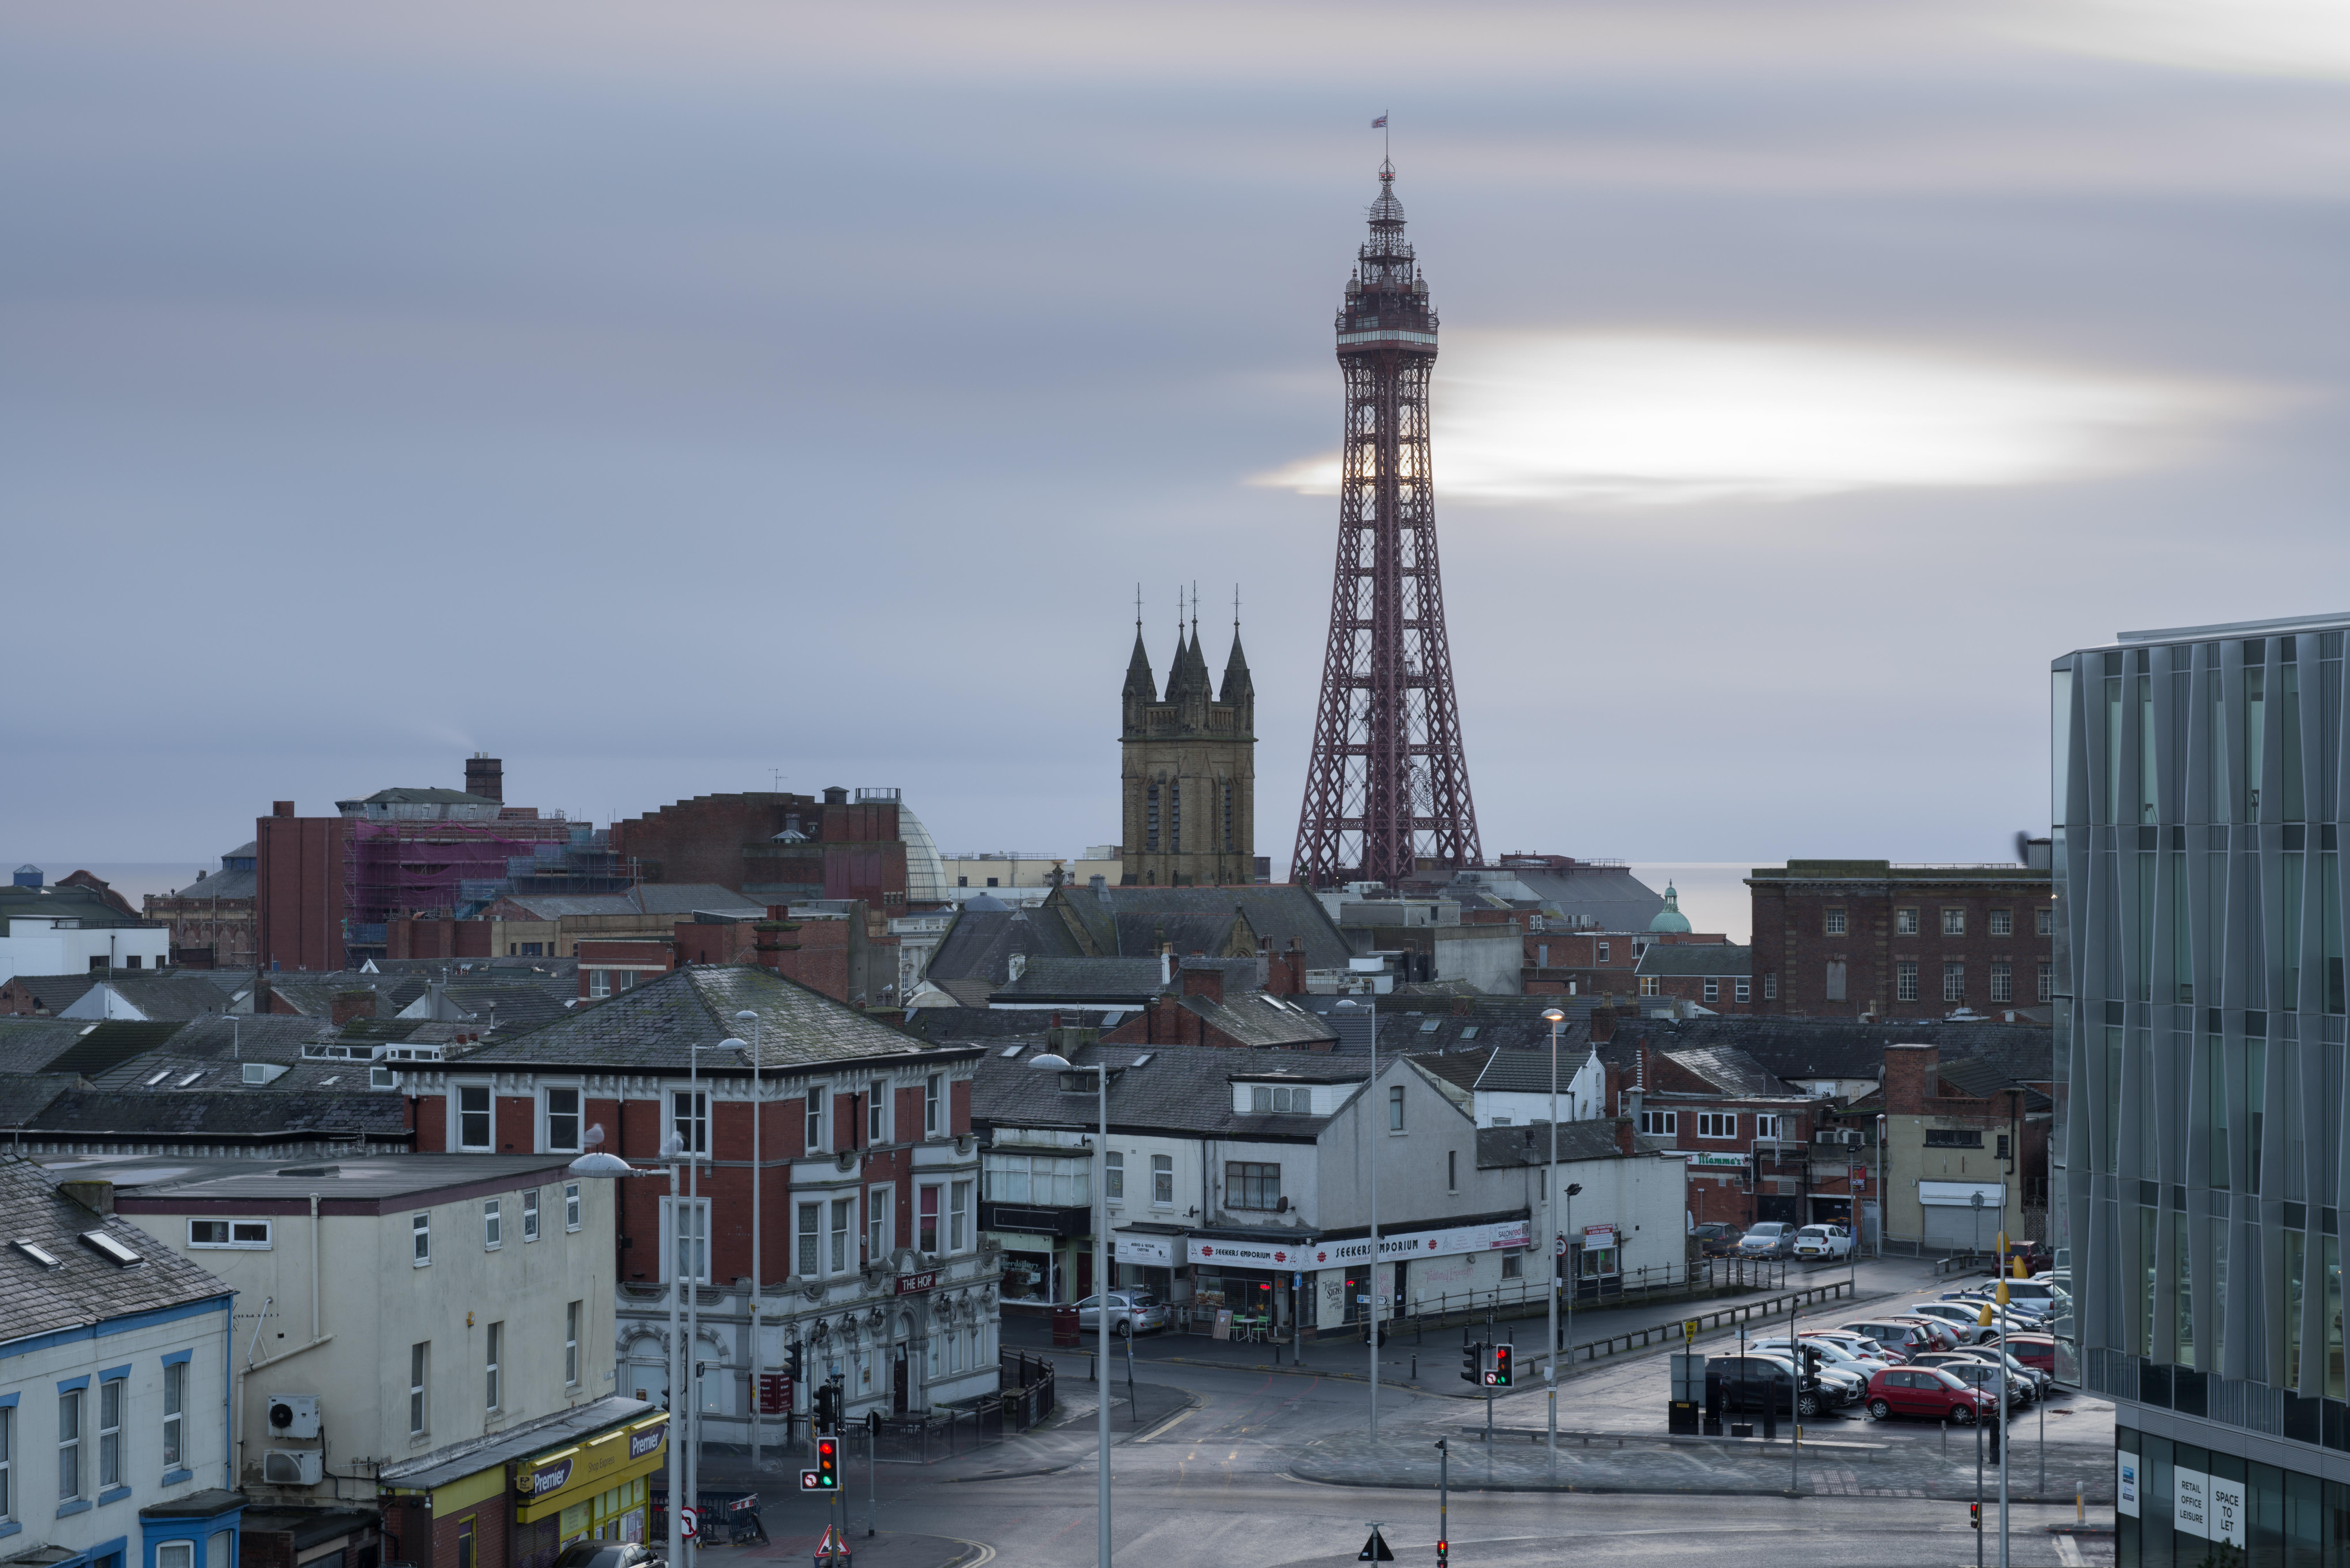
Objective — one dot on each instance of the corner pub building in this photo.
(2200, 1033)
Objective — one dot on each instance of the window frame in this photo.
(1835, 981)
(933, 1097)
(572, 1314)
(173, 1427)
(2047, 981)
(420, 1370)
(232, 1243)
(1768, 1123)
(494, 1225)
(958, 1215)
(689, 1118)
(7, 1463)
(2001, 923)
(1712, 988)
(70, 1442)
(930, 1200)
(1905, 980)
(529, 1214)
(494, 1345)
(876, 1113)
(572, 1206)
(880, 1220)
(463, 1116)
(1718, 1126)
(1954, 981)
(812, 1130)
(1660, 1124)
(1954, 920)
(549, 1117)
(1741, 990)
(2002, 981)
(1251, 1178)
(1835, 921)
(1395, 1117)
(678, 1215)
(1114, 1175)
(844, 1224)
(420, 1233)
(1162, 1176)
(113, 1397)
(811, 1241)
(1650, 986)
(2044, 920)
(1905, 921)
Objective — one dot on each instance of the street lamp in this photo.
(1371, 1111)
(597, 1166)
(1558, 1021)
(1052, 1061)
(758, 1279)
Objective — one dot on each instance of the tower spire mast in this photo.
(1386, 784)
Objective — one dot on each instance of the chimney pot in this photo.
(281, 808)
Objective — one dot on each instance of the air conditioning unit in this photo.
(1854, 1137)
(293, 1415)
(290, 1467)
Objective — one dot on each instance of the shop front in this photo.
(1151, 1264)
(1598, 1263)
(1047, 1251)
(592, 1491)
(1412, 1263)
(1243, 1286)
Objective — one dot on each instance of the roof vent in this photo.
(310, 1170)
(38, 1252)
(112, 1249)
(1009, 1051)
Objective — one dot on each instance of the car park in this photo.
(1859, 1344)
(2037, 1351)
(2042, 1382)
(1822, 1243)
(1905, 1339)
(1837, 1352)
(1771, 1239)
(1130, 1313)
(1715, 1239)
(1927, 1393)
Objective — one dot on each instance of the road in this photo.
(1214, 1483)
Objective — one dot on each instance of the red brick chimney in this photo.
(1204, 979)
(281, 808)
(1603, 1025)
(1911, 1074)
(1286, 975)
(351, 1004)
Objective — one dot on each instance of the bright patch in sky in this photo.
(2268, 37)
(1662, 419)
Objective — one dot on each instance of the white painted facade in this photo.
(38, 945)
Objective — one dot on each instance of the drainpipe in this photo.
(316, 1240)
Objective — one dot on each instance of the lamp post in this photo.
(1052, 1062)
(758, 1279)
(1371, 1092)
(597, 1166)
(1556, 1020)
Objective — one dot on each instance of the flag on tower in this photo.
(1380, 123)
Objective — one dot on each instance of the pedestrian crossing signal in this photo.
(1473, 1363)
(1974, 1515)
(1498, 1375)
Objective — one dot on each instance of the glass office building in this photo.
(2200, 1035)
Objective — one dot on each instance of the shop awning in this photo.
(548, 1483)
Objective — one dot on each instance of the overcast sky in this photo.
(659, 398)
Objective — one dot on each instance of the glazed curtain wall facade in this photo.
(2199, 1025)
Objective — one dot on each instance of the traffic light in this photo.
(828, 1408)
(1974, 1515)
(1499, 1376)
(1473, 1363)
(827, 1464)
(792, 1362)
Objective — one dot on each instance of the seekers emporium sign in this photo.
(1442, 1243)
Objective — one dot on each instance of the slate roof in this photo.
(999, 1025)
(1609, 897)
(1276, 911)
(86, 1289)
(110, 1043)
(360, 1177)
(52, 994)
(980, 945)
(30, 1045)
(1982, 1076)
(1177, 1088)
(1255, 1018)
(24, 1095)
(1504, 1148)
(262, 1037)
(160, 997)
(221, 885)
(409, 794)
(199, 1115)
(1504, 1071)
(66, 901)
(646, 899)
(653, 1027)
(1129, 982)
(1846, 1048)
(1716, 959)
(1515, 1022)
(1732, 1072)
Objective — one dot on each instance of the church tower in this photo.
(1190, 776)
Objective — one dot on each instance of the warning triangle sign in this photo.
(1375, 1550)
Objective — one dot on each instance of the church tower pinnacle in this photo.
(1188, 785)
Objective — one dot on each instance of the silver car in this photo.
(1771, 1239)
(1130, 1313)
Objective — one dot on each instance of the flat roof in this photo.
(475, 1455)
(2235, 628)
(364, 1177)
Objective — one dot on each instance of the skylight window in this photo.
(1430, 1026)
(156, 1077)
(1469, 1032)
(112, 1249)
(39, 1253)
(1143, 1059)
(1009, 1051)
(189, 1078)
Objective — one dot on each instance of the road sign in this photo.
(1558, 1246)
(689, 1523)
(1375, 1550)
(811, 1480)
(1689, 1328)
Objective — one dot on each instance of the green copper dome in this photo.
(1670, 918)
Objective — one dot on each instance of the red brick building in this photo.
(1716, 976)
(1869, 939)
(776, 847)
(860, 1168)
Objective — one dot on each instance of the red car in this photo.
(2037, 1351)
(1928, 1393)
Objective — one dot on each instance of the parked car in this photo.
(1970, 1367)
(2035, 1255)
(607, 1554)
(1859, 1344)
(1823, 1243)
(2042, 1382)
(1928, 1393)
(1962, 1316)
(1751, 1382)
(1841, 1385)
(1905, 1339)
(1945, 1334)
(1716, 1239)
(1771, 1239)
(2023, 1293)
(1130, 1313)
(2037, 1351)
(1838, 1353)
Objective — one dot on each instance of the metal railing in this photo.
(1026, 1397)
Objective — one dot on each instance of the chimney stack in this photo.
(485, 775)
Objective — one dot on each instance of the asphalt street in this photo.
(1212, 1468)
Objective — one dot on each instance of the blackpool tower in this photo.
(1386, 787)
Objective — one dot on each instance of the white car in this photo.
(1839, 1352)
(1966, 1320)
(1823, 1243)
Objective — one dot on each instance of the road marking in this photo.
(987, 1552)
(2068, 1552)
(1168, 1425)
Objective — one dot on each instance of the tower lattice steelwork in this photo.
(1387, 789)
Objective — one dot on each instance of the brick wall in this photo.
(298, 890)
(1796, 942)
